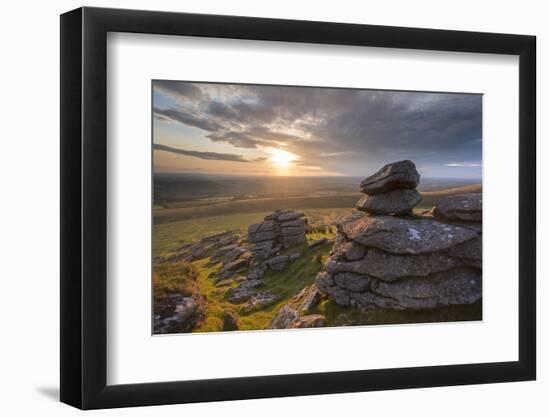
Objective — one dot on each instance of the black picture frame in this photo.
(84, 207)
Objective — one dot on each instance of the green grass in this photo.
(284, 284)
(172, 227)
(301, 272)
(216, 304)
(337, 315)
(173, 278)
(211, 208)
(256, 205)
(168, 236)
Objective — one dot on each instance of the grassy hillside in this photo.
(284, 284)
(174, 226)
(177, 225)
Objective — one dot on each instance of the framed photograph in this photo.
(257, 208)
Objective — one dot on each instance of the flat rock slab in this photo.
(397, 175)
(243, 292)
(405, 235)
(469, 252)
(466, 207)
(392, 202)
(389, 267)
(441, 289)
(289, 216)
(259, 301)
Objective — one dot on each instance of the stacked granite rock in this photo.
(405, 262)
(279, 230)
(392, 190)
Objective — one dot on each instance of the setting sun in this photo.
(282, 158)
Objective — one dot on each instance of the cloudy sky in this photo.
(277, 130)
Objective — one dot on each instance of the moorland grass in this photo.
(174, 278)
(284, 285)
(169, 236)
(172, 227)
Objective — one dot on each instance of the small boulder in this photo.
(231, 268)
(465, 207)
(230, 322)
(184, 317)
(243, 291)
(397, 175)
(307, 299)
(258, 301)
(289, 318)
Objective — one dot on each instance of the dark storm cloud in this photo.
(188, 119)
(341, 127)
(211, 156)
(178, 89)
(237, 139)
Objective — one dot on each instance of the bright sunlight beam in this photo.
(282, 159)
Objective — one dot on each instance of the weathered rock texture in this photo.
(396, 201)
(394, 176)
(466, 207)
(278, 231)
(297, 312)
(407, 263)
(186, 313)
(391, 190)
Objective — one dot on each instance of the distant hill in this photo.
(252, 205)
(466, 189)
(431, 198)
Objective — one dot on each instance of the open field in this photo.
(177, 225)
(304, 203)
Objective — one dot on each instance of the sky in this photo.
(312, 131)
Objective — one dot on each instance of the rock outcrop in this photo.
(406, 263)
(186, 313)
(219, 244)
(392, 190)
(279, 230)
(297, 314)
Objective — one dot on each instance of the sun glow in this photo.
(282, 159)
